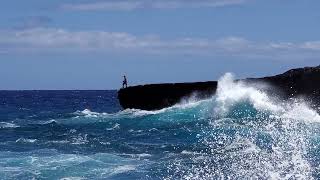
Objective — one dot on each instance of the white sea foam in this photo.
(138, 156)
(89, 113)
(58, 142)
(72, 178)
(116, 126)
(122, 169)
(90, 116)
(37, 164)
(127, 113)
(301, 111)
(25, 140)
(8, 125)
(48, 122)
(80, 139)
(229, 93)
(288, 156)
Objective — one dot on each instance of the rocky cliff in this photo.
(301, 82)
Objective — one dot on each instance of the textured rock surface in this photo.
(158, 96)
(303, 82)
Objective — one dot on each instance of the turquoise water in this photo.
(239, 133)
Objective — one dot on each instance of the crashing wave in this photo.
(252, 136)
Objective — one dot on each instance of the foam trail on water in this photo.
(187, 103)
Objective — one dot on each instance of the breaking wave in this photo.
(253, 136)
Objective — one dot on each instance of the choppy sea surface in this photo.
(240, 133)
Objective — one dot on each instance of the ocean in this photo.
(239, 133)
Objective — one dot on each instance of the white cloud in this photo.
(42, 40)
(148, 4)
(312, 45)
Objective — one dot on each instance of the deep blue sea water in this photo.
(240, 133)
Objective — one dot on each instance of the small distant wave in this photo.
(122, 169)
(80, 139)
(72, 178)
(24, 140)
(88, 113)
(116, 126)
(58, 142)
(52, 121)
(8, 125)
(137, 156)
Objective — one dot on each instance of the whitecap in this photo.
(80, 139)
(58, 142)
(8, 125)
(116, 126)
(122, 169)
(72, 178)
(48, 122)
(23, 140)
(142, 155)
(89, 113)
(190, 152)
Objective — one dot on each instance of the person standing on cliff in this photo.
(125, 82)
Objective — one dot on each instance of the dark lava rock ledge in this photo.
(301, 82)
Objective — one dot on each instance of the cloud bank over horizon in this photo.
(127, 5)
(90, 44)
(54, 40)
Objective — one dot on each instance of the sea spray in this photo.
(269, 140)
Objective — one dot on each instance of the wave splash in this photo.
(252, 136)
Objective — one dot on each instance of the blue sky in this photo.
(90, 44)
